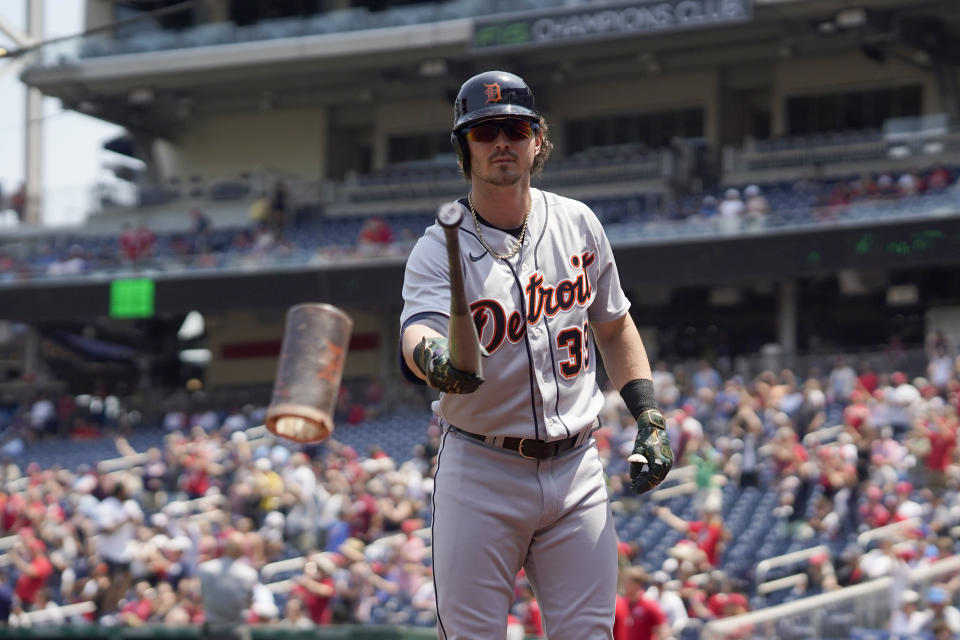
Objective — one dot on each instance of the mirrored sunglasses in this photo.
(515, 128)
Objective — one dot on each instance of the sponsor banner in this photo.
(554, 27)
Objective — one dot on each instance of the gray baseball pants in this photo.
(494, 512)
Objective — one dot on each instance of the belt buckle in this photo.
(520, 450)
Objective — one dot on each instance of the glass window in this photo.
(852, 109)
(654, 129)
(420, 146)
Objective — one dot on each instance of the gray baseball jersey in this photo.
(532, 313)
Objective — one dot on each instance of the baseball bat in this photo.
(462, 333)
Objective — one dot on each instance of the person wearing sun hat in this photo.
(940, 610)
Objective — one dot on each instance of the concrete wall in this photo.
(405, 118)
(97, 13)
(259, 330)
(291, 140)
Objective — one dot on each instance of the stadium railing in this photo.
(863, 605)
(843, 148)
(893, 530)
(764, 566)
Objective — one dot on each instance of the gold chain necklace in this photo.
(516, 247)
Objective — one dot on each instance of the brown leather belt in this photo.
(527, 447)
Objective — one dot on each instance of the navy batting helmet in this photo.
(491, 94)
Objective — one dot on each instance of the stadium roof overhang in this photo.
(158, 92)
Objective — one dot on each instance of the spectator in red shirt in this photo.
(145, 239)
(532, 617)
(13, 515)
(374, 235)
(646, 620)
(867, 379)
(621, 616)
(35, 569)
(939, 179)
(724, 604)
(788, 453)
(139, 609)
(942, 434)
(315, 588)
(129, 243)
(709, 534)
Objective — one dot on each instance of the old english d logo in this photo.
(493, 92)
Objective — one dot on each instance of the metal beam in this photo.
(19, 37)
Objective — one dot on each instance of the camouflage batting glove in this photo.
(432, 355)
(651, 449)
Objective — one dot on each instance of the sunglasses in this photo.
(515, 128)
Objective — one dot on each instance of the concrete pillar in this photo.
(33, 165)
(787, 317)
(32, 364)
(390, 333)
(217, 11)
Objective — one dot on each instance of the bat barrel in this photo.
(312, 358)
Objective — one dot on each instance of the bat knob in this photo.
(450, 214)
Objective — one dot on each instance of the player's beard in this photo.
(497, 176)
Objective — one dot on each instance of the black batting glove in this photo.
(432, 355)
(651, 450)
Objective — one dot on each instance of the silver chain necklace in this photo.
(516, 247)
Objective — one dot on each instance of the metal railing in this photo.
(854, 149)
(863, 605)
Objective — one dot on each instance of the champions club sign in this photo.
(610, 21)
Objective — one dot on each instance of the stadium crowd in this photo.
(350, 529)
(304, 237)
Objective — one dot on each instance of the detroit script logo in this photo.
(541, 300)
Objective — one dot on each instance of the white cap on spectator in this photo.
(731, 194)
(159, 520)
(752, 190)
(670, 565)
(85, 484)
(160, 541)
(180, 543)
(817, 398)
(692, 427)
(263, 464)
(274, 519)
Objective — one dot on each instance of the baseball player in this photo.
(519, 483)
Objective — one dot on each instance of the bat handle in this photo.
(458, 296)
(462, 334)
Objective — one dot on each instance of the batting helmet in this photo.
(491, 94)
